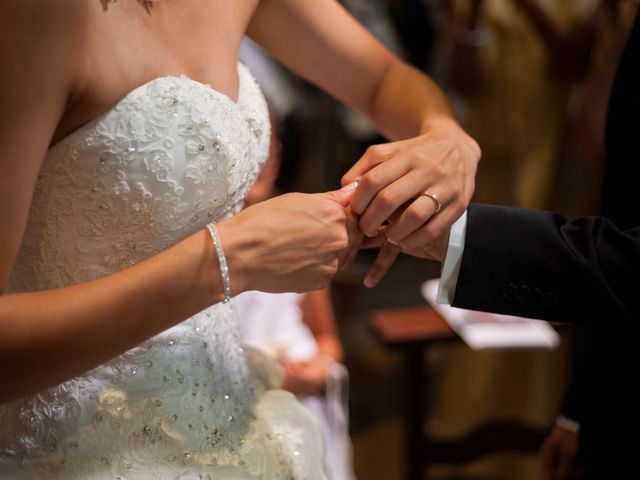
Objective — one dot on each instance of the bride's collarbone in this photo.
(128, 47)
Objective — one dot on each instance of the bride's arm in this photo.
(49, 336)
(321, 42)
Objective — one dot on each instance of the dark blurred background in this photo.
(529, 80)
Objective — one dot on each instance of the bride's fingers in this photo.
(355, 239)
(344, 195)
(348, 256)
(362, 243)
(353, 231)
(386, 257)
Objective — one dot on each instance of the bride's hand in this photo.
(291, 243)
(394, 177)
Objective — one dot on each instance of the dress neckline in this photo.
(131, 93)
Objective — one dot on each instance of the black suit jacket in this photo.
(537, 264)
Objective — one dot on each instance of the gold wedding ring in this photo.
(436, 199)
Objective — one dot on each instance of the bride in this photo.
(129, 136)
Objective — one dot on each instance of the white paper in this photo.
(481, 330)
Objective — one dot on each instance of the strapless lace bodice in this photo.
(171, 156)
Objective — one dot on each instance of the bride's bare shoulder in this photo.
(35, 21)
(35, 11)
(44, 34)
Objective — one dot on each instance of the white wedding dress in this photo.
(171, 156)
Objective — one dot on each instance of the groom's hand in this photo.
(558, 454)
(441, 162)
(436, 250)
(420, 186)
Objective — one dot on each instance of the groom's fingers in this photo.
(372, 186)
(432, 231)
(410, 219)
(388, 201)
(386, 257)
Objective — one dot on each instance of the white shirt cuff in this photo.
(452, 261)
(568, 424)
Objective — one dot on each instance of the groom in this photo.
(536, 264)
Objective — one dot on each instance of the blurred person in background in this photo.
(513, 67)
(537, 264)
(582, 43)
(299, 331)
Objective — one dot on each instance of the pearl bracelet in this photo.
(222, 260)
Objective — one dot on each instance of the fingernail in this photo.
(392, 242)
(350, 187)
(370, 278)
(368, 281)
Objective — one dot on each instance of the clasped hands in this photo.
(297, 242)
(410, 192)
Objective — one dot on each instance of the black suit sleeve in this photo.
(536, 264)
(577, 393)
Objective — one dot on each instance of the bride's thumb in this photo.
(343, 196)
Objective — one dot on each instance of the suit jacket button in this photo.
(551, 300)
(524, 294)
(510, 291)
(537, 296)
